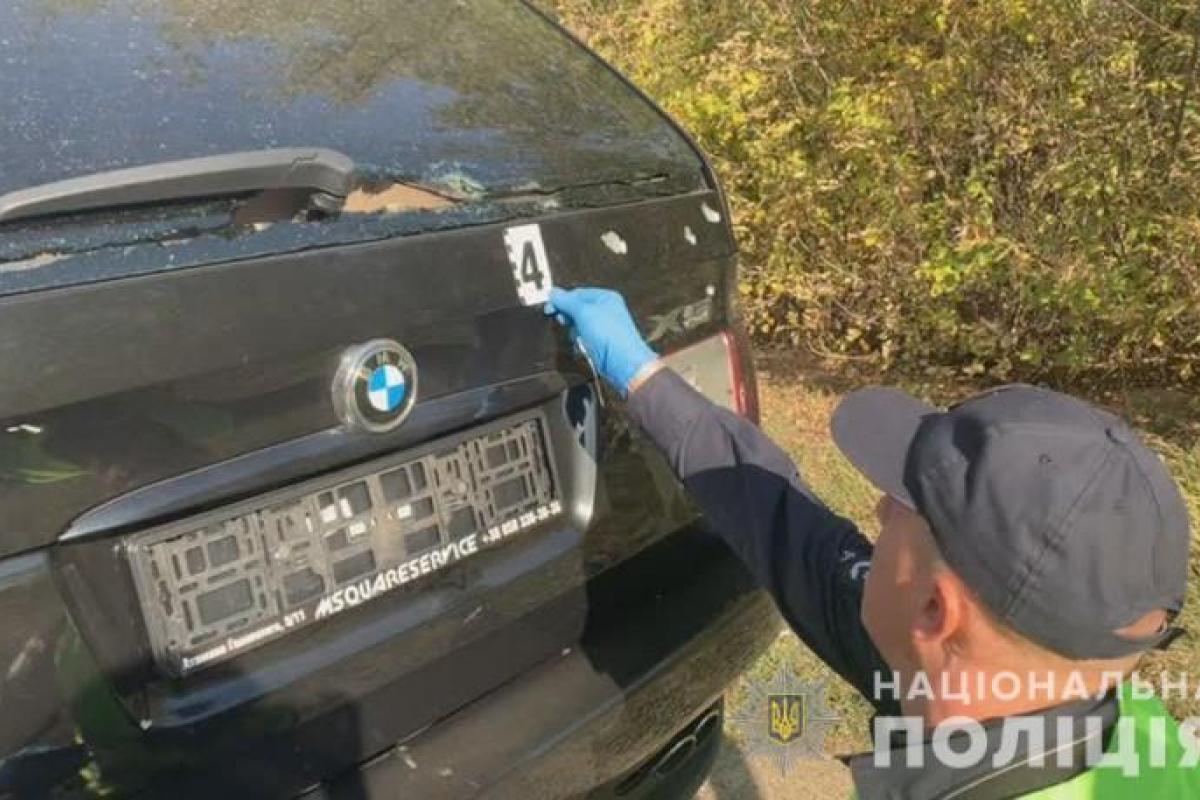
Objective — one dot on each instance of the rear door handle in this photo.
(324, 171)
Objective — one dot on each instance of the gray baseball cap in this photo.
(1052, 510)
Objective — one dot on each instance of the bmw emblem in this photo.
(376, 386)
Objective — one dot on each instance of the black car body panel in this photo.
(590, 717)
(190, 367)
(167, 368)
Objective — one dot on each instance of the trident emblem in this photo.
(786, 721)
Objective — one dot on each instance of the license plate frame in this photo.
(216, 585)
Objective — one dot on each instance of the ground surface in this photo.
(797, 401)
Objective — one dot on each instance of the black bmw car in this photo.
(301, 495)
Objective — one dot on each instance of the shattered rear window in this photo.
(455, 113)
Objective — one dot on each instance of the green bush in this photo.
(1005, 189)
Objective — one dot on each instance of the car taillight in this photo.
(714, 367)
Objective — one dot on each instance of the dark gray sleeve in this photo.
(812, 561)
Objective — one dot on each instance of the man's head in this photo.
(1021, 529)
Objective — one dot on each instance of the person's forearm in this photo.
(696, 435)
(646, 373)
(811, 560)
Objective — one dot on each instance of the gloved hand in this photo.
(599, 321)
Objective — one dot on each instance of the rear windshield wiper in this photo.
(328, 173)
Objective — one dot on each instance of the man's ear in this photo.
(941, 616)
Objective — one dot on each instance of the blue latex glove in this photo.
(600, 323)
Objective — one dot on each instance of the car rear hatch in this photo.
(263, 593)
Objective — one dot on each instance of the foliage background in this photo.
(1002, 190)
